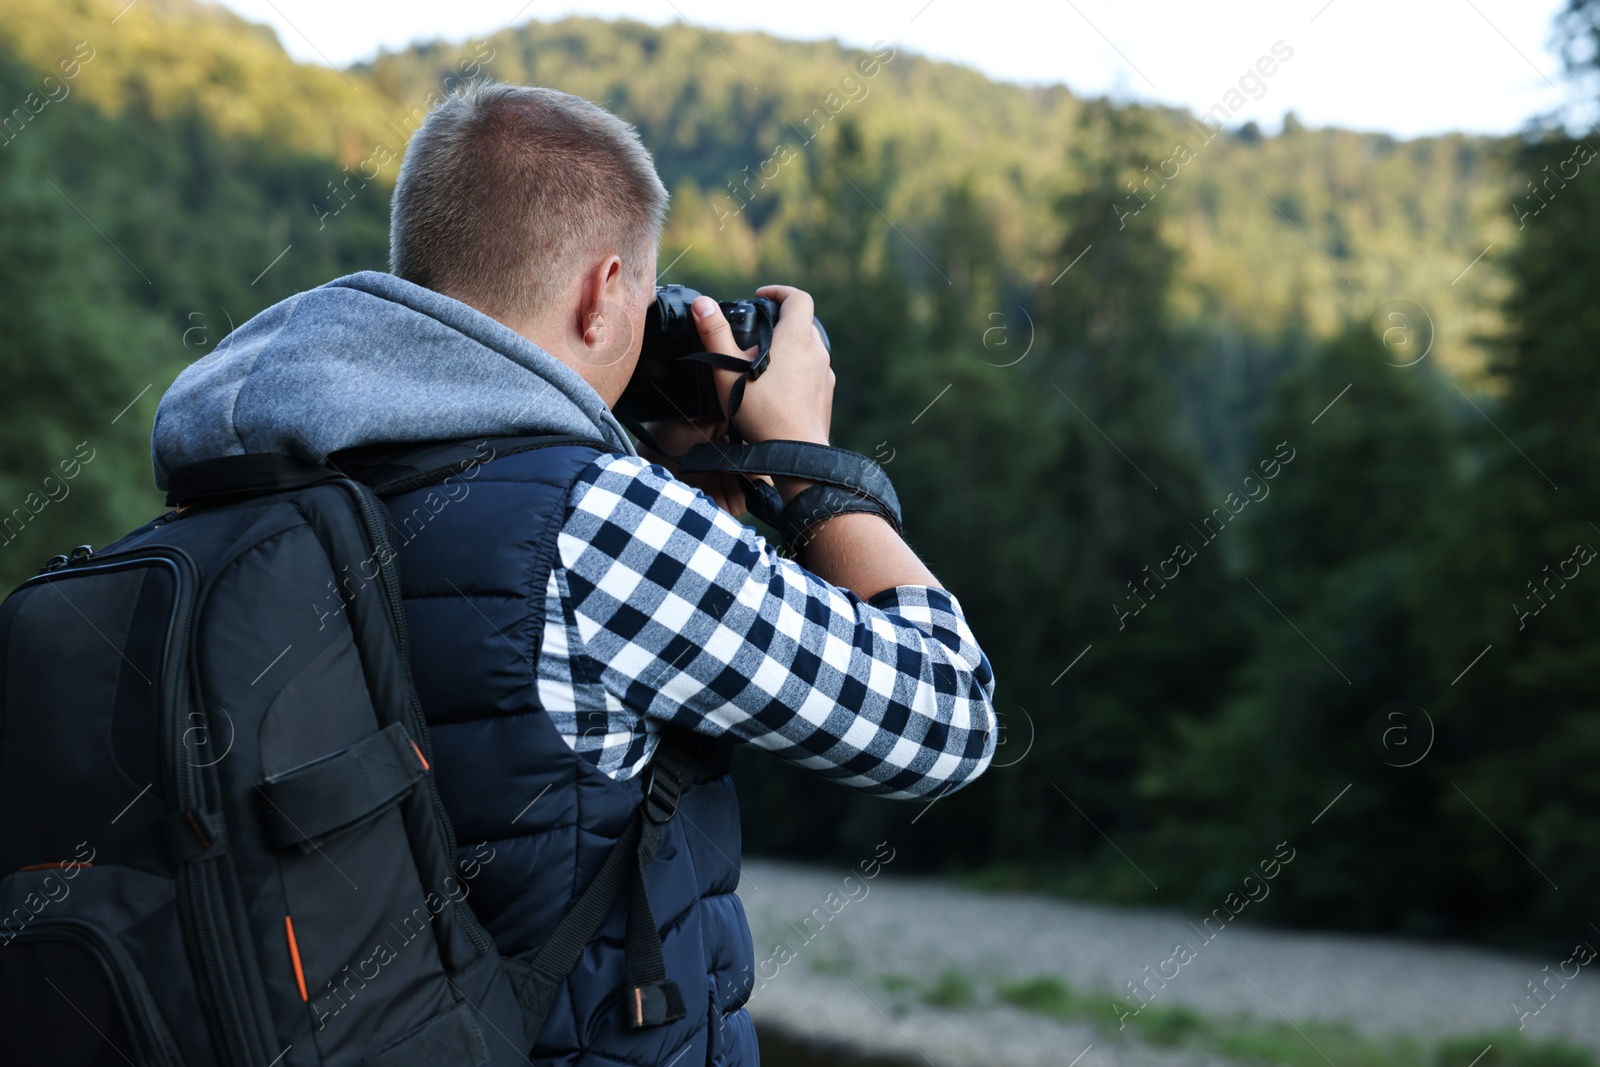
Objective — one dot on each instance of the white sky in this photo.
(1409, 67)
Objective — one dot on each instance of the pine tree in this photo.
(1516, 586)
(1356, 473)
(1114, 486)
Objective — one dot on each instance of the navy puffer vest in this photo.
(474, 567)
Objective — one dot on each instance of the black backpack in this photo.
(219, 840)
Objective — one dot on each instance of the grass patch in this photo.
(1278, 1044)
(1241, 1038)
(832, 965)
(1044, 994)
(952, 989)
(1510, 1049)
(1176, 1025)
(1264, 1041)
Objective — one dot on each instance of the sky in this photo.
(1407, 67)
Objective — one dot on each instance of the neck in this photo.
(569, 350)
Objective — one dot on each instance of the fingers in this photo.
(715, 332)
(794, 301)
(677, 436)
(795, 308)
(717, 336)
(794, 397)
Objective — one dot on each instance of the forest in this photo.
(1257, 461)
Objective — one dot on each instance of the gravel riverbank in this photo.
(839, 978)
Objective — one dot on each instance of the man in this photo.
(569, 606)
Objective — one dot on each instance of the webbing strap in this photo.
(226, 478)
(748, 370)
(387, 468)
(392, 470)
(653, 998)
(817, 503)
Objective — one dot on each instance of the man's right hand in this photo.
(792, 400)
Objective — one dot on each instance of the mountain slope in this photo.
(1335, 224)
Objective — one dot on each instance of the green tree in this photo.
(1113, 485)
(1527, 725)
(1356, 470)
(74, 356)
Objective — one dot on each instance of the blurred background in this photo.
(1236, 366)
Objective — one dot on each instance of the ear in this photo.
(599, 293)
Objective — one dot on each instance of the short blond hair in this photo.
(507, 191)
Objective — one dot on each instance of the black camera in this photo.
(673, 379)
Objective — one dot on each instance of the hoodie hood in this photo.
(369, 359)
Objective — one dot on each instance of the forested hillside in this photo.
(1210, 506)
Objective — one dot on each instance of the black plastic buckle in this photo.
(660, 798)
(654, 1003)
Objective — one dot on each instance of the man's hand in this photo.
(793, 398)
(677, 437)
(793, 401)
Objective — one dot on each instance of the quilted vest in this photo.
(534, 819)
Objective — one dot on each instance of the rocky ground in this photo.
(851, 976)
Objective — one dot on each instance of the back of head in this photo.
(507, 192)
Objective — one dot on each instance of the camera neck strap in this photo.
(845, 481)
(748, 371)
(849, 472)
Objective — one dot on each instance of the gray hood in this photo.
(366, 359)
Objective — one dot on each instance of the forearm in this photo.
(857, 551)
(862, 553)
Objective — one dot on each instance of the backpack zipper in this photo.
(378, 535)
(119, 966)
(201, 877)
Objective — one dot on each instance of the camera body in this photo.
(667, 385)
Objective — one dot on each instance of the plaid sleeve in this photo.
(694, 619)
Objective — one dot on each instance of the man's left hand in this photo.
(677, 437)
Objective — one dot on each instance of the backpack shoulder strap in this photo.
(393, 469)
(652, 997)
(225, 479)
(387, 468)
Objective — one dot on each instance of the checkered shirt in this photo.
(663, 608)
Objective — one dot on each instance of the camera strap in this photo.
(825, 464)
(762, 499)
(845, 481)
(748, 370)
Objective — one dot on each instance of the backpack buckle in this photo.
(654, 1004)
(661, 796)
